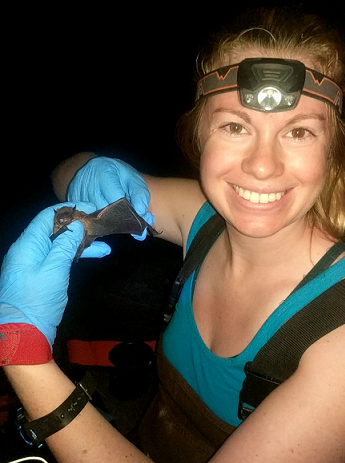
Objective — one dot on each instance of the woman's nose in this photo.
(264, 160)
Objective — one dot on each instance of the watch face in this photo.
(28, 438)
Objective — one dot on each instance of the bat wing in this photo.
(118, 217)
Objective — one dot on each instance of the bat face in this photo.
(63, 217)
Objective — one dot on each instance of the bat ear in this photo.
(55, 210)
(75, 207)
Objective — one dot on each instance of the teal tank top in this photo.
(217, 380)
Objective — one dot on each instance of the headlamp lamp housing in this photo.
(271, 84)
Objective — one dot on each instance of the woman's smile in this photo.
(255, 197)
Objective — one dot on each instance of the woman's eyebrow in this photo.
(243, 115)
(303, 117)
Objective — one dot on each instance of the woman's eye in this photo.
(299, 133)
(235, 129)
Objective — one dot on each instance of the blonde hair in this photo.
(286, 33)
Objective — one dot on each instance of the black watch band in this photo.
(35, 432)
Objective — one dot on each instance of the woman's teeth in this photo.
(255, 197)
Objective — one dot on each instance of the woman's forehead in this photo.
(230, 102)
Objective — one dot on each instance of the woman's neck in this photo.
(299, 244)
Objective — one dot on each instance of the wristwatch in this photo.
(35, 432)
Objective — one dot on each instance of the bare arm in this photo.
(89, 437)
(64, 172)
(303, 420)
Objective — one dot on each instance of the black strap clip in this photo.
(255, 389)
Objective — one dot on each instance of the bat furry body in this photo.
(117, 217)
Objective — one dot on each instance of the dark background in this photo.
(112, 77)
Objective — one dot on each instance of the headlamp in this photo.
(271, 84)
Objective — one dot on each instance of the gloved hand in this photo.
(104, 180)
(35, 272)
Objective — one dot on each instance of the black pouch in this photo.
(134, 365)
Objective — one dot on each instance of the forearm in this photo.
(89, 437)
(64, 172)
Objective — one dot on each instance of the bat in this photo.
(117, 217)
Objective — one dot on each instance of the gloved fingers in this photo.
(34, 244)
(93, 195)
(150, 220)
(65, 246)
(100, 195)
(97, 181)
(142, 236)
(140, 201)
(97, 249)
(138, 194)
(133, 185)
(110, 186)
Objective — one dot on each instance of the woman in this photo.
(272, 164)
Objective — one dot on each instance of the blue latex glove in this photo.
(104, 180)
(35, 272)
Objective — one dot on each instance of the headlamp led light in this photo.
(271, 84)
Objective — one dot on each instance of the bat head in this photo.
(63, 217)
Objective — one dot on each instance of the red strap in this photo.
(93, 352)
(23, 344)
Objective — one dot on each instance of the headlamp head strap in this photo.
(271, 84)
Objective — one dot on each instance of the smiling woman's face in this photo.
(263, 171)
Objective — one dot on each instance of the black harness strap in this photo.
(278, 359)
(196, 253)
